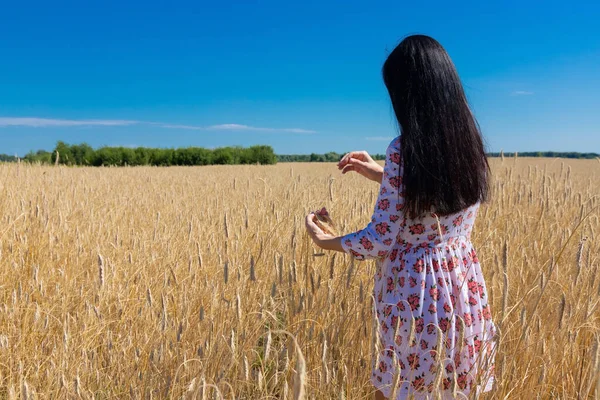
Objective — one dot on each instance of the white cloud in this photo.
(521, 93)
(380, 138)
(237, 127)
(35, 122)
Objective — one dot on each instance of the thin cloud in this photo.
(35, 122)
(237, 127)
(379, 138)
(521, 93)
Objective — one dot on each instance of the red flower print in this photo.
(436, 265)
(447, 308)
(450, 368)
(477, 344)
(384, 204)
(398, 340)
(419, 324)
(444, 265)
(399, 206)
(434, 293)
(472, 285)
(419, 265)
(366, 244)
(471, 350)
(431, 236)
(393, 255)
(446, 382)
(457, 221)
(416, 229)
(384, 327)
(440, 281)
(383, 190)
(474, 256)
(413, 360)
(470, 215)
(387, 242)
(419, 383)
(432, 308)
(390, 285)
(472, 301)
(401, 305)
(394, 321)
(387, 310)
(412, 281)
(444, 324)
(348, 242)
(381, 253)
(481, 291)
(414, 301)
(453, 300)
(487, 315)
(394, 218)
(395, 158)
(395, 181)
(382, 228)
(462, 380)
(457, 360)
(468, 319)
(383, 367)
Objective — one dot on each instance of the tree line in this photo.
(327, 157)
(550, 154)
(83, 154)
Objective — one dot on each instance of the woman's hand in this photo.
(361, 162)
(322, 239)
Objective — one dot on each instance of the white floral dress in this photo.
(435, 331)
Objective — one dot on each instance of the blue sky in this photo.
(303, 77)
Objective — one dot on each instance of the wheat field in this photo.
(201, 283)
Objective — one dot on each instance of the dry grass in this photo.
(180, 282)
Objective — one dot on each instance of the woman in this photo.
(435, 328)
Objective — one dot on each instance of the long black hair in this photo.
(445, 166)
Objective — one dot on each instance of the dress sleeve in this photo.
(377, 239)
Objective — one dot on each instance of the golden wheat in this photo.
(188, 282)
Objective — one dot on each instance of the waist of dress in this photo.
(438, 244)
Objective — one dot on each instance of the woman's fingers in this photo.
(357, 155)
(348, 168)
(312, 228)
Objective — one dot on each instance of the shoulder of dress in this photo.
(395, 144)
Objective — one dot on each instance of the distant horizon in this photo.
(488, 152)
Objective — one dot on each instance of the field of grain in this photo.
(199, 282)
